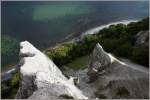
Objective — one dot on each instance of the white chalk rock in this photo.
(117, 79)
(41, 78)
(99, 60)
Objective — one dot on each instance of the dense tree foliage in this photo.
(117, 39)
(140, 55)
(66, 52)
(135, 27)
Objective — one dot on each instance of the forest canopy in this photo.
(116, 39)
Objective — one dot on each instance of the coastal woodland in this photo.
(119, 40)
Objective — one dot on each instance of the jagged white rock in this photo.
(99, 60)
(142, 38)
(41, 78)
(117, 79)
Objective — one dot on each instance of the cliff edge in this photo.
(105, 77)
(41, 78)
(114, 78)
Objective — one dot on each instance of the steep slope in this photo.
(105, 77)
(115, 79)
(41, 79)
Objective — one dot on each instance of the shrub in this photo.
(113, 31)
(66, 52)
(89, 42)
(135, 27)
(140, 55)
(117, 39)
(124, 50)
(9, 88)
(61, 53)
(108, 44)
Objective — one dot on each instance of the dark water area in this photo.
(46, 23)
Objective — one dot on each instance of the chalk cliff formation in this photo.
(41, 78)
(116, 79)
(105, 77)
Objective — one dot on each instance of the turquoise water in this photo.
(54, 11)
(46, 23)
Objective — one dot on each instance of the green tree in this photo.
(124, 50)
(140, 55)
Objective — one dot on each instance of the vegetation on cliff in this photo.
(120, 40)
(117, 39)
(10, 87)
(67, 52)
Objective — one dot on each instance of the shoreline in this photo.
(95, 30)
(91, 31)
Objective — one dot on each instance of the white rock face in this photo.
(99, 60)
(113, 78)
(142, 38)
(41, 78)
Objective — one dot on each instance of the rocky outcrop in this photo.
(142, 38)
(41, 78)
(105, 77)
(99, 60)
(112, 78)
